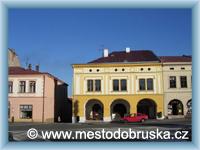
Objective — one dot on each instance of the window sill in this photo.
(93, 91)
(26, 92)
(145, 91)
(119, 91)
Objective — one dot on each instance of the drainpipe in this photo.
(43, 98)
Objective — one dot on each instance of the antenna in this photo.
(101, 47)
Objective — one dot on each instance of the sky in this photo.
(57, 38)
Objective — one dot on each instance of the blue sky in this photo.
(57, 38)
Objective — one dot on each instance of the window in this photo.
(171, 68)
(89, 85)
(93, 85)
(8, 109)
(120, 85)
(149, 84)
(123, 85)
(142, 84)
(115, 85)
(10, 86)
(90, 70)
(26, 111)
(172, 81)
(32, 86)
(182, 68)
(22, 87)
(183, 81)
(97, 85)
(146, 84)
(141, 69)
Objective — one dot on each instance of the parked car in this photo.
(136, 117)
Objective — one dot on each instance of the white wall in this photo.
(17, 79)
(107, 74)
(182, 94)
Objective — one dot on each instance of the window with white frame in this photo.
(146, 84)
(183, 81)
(10, 86)
(119, 85)
(32, 86)
(8, 109)
(142, 84)
(22, 86)
(172, 81)
(97, 85)
(123, 84)
(89, 85)
(150, 84)
(94, 85)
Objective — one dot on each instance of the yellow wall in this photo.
(107, 101)
(106, 73)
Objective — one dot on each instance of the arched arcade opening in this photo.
(148, 107)
(175, 107)
(119, 108)
(94, 110)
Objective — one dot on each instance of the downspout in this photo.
(43, 98)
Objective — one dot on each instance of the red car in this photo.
(137, 117)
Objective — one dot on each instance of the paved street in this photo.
(18, 131)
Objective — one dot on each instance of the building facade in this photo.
(117, 84)
(35, 96)
(13, 60)
(177, 82)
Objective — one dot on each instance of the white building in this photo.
(177, 82)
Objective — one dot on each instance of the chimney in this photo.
(29, 66)
(37, 68)
(105, 52)
(128, 49)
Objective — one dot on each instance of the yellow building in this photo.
(118, 83)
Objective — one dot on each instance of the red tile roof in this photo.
(183, 58)
(20, 71)
(124, 57)
(23, 71)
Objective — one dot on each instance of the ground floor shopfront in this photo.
(106, 108)
(177, 105)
